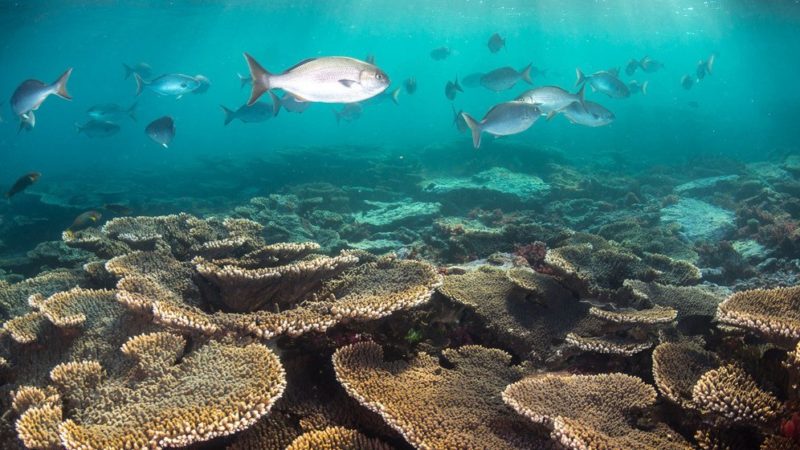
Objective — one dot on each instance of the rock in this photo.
(393, 213)
(750, 249)
(496, 179)
(377, 246)
(699, 221)
(702, 184)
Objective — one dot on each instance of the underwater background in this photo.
(359, 275)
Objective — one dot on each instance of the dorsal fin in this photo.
(307, 60)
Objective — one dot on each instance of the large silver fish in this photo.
(505, 78)
(30, 95)
(331, 79)
(551, 99)
(203, 84)
(161, 130)
(258, 112)
(502, 120)
(604, 82)
(98, 128)
(111, 112)
(172, 84)
(589, 114)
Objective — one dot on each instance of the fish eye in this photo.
(379, 76)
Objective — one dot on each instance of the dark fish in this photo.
(635, 87)
(551, 99)
(631, 67)
(505, 78)
(440, 53)
(349, 112)
(706, 67)
(244, 80)
(458, 120)
(472, 80)
(85, 220)
(203, 84)
(98, 128)
(172, 84)
(30, 95)
(604, 82)
(687, 82)
(257, 112)
(24, 182)
(292, 104)
(161, 130)
(120, 210)
(503, 119)
(496, 43)
(330, 79)
(451, 89)
(410, 85)
(589, 114)
(650, 65)
(111, 112)
(142, 69)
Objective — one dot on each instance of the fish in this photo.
(30, 95)
(458, 120)
(98, 128)
(604, 82)
(631, 67)
(614, 71)
(24, 182)
(687, 82)
(292, 104)
(551, 99)
(85, 220)
(410, 85)
(705, 67)
(496, 43)
(111, 112)
(244, 80)
(142, 69)
(330, 79)
(635, 87)
(503, 119)
(171, 84)
(349, 113)
(258, 112)
(118, 209)
(161, 130)
(203, 84)
(650, 65)
(472, 80)
(505, 78)
(440, 53)
(27, 122)
(588, 114)
(451, 89)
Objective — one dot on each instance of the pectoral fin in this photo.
(348, 83)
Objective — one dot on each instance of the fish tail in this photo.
(60, 86)
(582, 95)
(455, 114)
(580, 77)
(260, 78)
(229, 114)
(457, 86)
(396, 96)
(644, 87)
(132, 111)
(242, 80)
(475, 127)
(128, 70)
(276, 104)
(140, 83)
(526, 74)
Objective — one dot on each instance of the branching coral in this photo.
(731, 394)
(677, 367)
(774, 313)
(336, 438)
(607, 345)
(689, 301)
(591, 411)
(454, 406)
(14, 297)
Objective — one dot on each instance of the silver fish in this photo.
(349, 112)
(458, 120)
(161, 130)
(502, 120)
(203, 84)
(604, 82)
(496, 43)
(551, 99)
(650, 65)
(292, 104)
(589, 114)
(110, 112)
(635, 87)
(331, 79)
(687, 82)
(30, 95)
(98, 128)
(505, 78)
(258, 112)
(631, 67)
(170, 84)
(451, 89)
(143, 69)
(440, 53)
(705, 67)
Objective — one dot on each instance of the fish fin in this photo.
(260, 79)
(128, 70)
(229, 115)
(644, 87)
(550, 115)
(582, 95)
(396, 96)
(525, 73)
(242, 80)
(348, 83)
(580, 77)
(457, 85)
(475, 127)
(132, 111)
(61, 85)
(140, 83)
(276, 104)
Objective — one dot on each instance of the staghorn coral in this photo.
(591, 411)
(773, 313)
(729, 393)
(336, 438)
(454, 406)
(677, 367)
